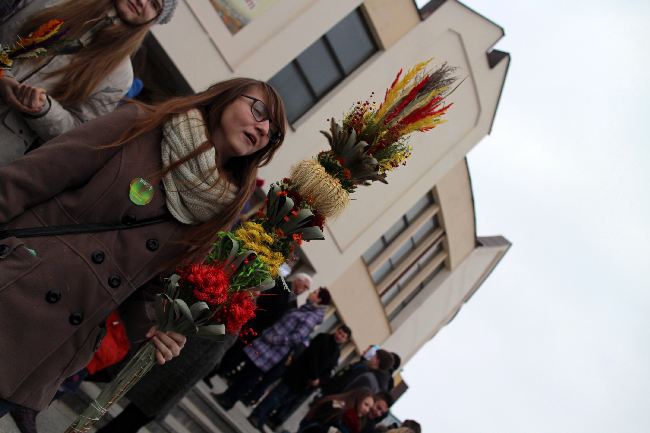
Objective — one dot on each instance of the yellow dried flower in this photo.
(255, 238)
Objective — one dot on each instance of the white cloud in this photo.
(556, 339)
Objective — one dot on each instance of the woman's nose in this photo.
(263, 128)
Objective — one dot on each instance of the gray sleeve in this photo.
(367, 380)
(58, 119)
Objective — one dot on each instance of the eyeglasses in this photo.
(261, 113)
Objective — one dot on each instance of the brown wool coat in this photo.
(51, 304)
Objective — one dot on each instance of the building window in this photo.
(407, 247)
(324, 64)
(408, 276)
(407, 256)
(398, 309)
(351, 42)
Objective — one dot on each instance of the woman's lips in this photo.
(251, 138)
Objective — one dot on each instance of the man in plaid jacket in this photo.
(274, 344)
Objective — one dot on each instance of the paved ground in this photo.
(60, 414)
(57, 417)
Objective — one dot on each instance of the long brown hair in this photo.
(88, 67)
(242, 171)
(321, 411)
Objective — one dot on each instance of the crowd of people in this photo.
(71, 147)
(282, 368)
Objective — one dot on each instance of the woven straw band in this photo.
(312, 181)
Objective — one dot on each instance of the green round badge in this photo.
(140, 191)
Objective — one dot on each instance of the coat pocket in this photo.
(16, 260)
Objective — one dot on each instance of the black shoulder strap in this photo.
(75, 229)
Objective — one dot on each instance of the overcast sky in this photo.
(558, 338)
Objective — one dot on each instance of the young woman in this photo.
(163, 180)
(44, 97)
(346, 412)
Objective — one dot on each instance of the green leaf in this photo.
(278, 206)
(312, 233)
(213, 332)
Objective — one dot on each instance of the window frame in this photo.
(317, 96)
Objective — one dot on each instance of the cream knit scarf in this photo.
(195, 192)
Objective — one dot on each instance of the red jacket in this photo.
(113, 347)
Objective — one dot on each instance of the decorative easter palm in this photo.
(205, 300)
(38, 43)
(47, 40)
(364, 147)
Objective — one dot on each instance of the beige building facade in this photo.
(404, 257)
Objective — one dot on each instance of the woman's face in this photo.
(138, 12)
(365, 405)
(239, 132)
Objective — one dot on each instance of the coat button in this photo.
(98, 257)
(76, 319)
(4, 250)
(129, 219)
(152, 244)
(114, 281)
(53, 296)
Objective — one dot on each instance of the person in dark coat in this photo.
(274, 345)
(299, 282)
(51, 323)
(165, 385)
(305, 373)
(271, 305)
(397, 362)
(380, 361)
(376, 379)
